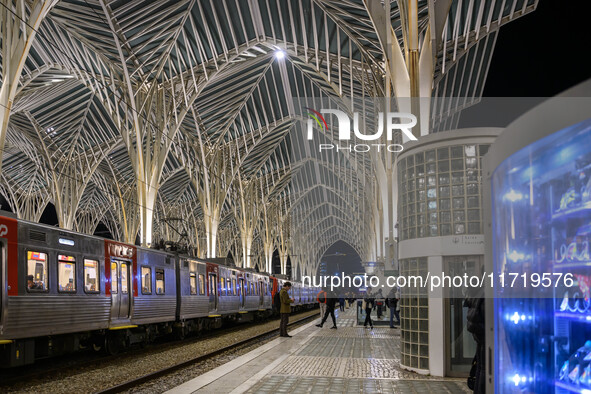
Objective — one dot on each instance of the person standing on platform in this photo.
(347, 297)
(392, 303)
(379, 301)
(321, 298)
(285, 309)
(369, 305)
(342, 303)
(331, 303)
(475, 325)
(352, 298)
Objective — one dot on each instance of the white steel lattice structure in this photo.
(173, 119)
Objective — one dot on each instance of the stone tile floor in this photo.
(327, 385)
(351, 359)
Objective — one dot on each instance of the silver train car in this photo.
(61, 291)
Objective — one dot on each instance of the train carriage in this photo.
(252, 299)
(61, 290)
(154, 288)
(193, 297)
(54, 284)
(229, 302)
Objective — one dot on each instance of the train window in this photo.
(124, 282)
(159, 281)
(91, 283)
(114, 279)
(36, 271)
(193, 283)
(201, 284)
(233, 286)
(251, 289)
(66, 273)
(222, 286)
(146, 280)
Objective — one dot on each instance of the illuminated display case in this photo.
(539, 310)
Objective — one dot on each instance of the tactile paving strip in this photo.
(345, 368)
(358, 332)
(323, 385)
(351, 347)
(371, 368)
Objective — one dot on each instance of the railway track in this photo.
(132, 383)
(57, 368)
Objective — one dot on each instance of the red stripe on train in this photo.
(9, 231)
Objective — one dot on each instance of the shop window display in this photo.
(541, 234)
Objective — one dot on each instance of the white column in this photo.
(437, 325)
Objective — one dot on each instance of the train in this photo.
(61, 291)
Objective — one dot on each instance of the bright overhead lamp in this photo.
(279, 54)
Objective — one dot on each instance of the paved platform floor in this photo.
(350, 359)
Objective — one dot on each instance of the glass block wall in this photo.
(439, 191)
(414, 317)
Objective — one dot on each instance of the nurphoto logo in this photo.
(405, 122)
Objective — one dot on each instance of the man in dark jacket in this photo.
(285, 309)
(392, 302)
(475, 325)
(369, 306)
(379, 301)
(331, 303)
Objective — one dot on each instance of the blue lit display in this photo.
(513, 196)
(514, 256)
(542, 225)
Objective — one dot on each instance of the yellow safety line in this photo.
(214, 316)
(5, 341)
(121, 327)
(243, 312)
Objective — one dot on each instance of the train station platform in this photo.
(350, 359)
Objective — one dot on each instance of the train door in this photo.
(120, 288)
(261, 294)
(213, 292)
(241, 291)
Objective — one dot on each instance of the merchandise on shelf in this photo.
(542, 225)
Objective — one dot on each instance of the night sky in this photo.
(542, 53)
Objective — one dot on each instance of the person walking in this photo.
(369, 305)
(285, 309)
(331, 303)
(321, 298)
(392, 303)
(342, 303)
